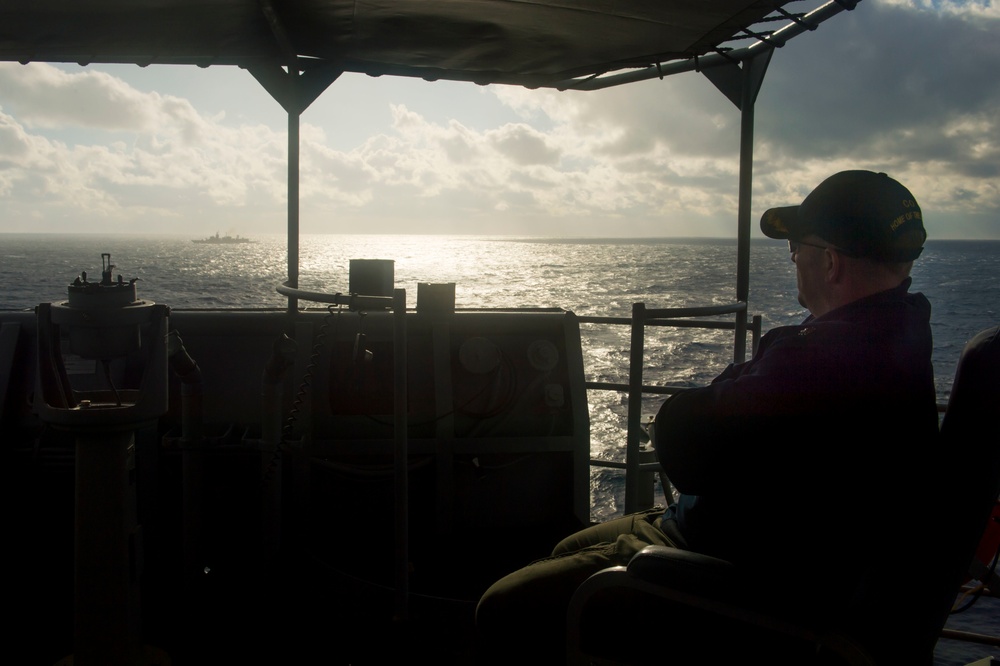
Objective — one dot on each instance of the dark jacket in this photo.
(803, 460)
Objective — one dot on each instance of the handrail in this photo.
(352, 301)
(674, 313)
(635, 467)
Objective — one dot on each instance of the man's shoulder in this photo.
(897, 306)
(809, 342)
(811, 332)
(868, 340)
(863, 319)
(848, 337)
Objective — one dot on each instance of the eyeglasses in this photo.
(793, 247)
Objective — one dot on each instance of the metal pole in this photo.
(636, 353)
(293, 205)
(748, 94)
(401, 455)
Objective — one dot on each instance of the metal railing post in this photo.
(636, 354)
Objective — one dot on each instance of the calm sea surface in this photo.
(588, 276)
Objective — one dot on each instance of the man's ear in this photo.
(834, 266)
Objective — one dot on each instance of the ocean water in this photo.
(594, 277)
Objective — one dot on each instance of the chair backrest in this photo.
(916, 585)
(970, 480)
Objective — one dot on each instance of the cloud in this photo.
(901, 88)
(524, 146)
(904, 87)
(909, 88)
(43, 96)
(121, 158)
(886, 71)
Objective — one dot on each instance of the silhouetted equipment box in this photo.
(498, 429)
(498, 423)
(371, 277)
(435, 298)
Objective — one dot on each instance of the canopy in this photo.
(296, 48)
(526, 42)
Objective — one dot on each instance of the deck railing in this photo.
(640, 465)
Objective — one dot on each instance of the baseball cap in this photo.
(863, 213)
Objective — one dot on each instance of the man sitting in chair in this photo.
(796, 464)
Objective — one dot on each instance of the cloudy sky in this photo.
(909, 87)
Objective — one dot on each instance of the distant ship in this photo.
(217, 239)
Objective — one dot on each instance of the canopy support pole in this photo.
(295, 90)
(741, 85)
(293, 208)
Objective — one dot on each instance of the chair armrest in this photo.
(701, 598)
(683, 570)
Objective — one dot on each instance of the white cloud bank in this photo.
(904, 87)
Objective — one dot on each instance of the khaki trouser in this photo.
(525, 611)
